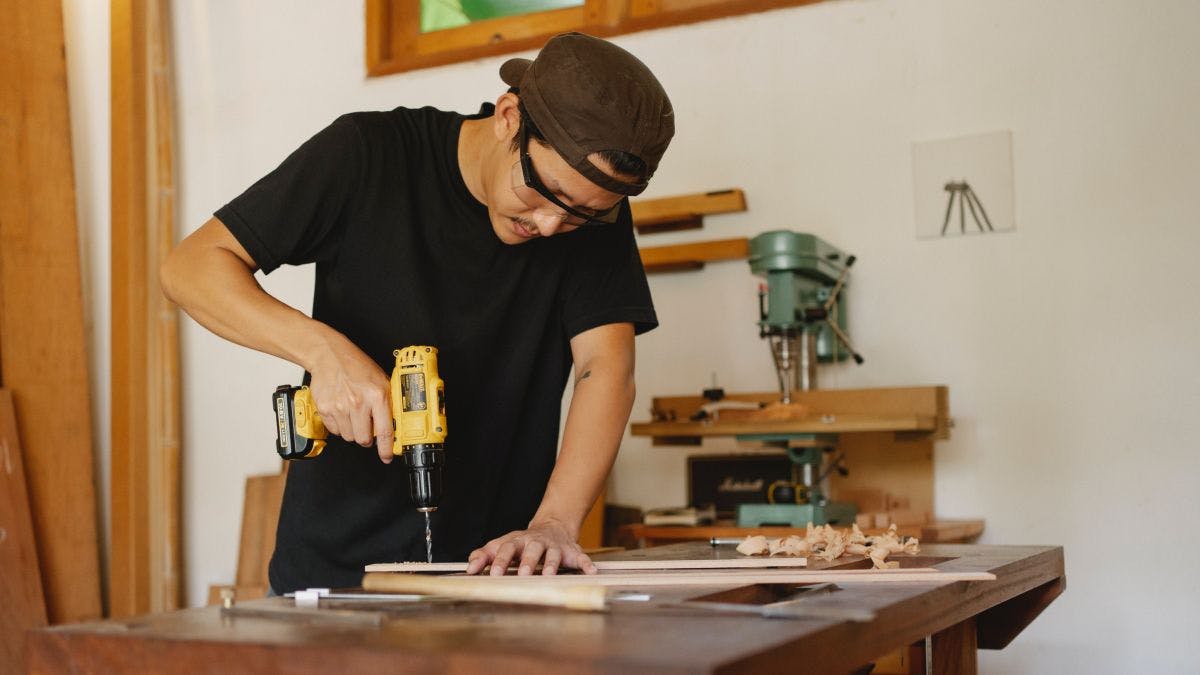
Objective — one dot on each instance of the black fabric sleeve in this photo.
(294, 214)
(606, 282)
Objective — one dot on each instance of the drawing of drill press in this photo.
(803, 319)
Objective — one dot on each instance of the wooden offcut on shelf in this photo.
(684, 212)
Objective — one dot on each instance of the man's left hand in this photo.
(548, 542)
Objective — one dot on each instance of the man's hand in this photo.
(211, 276)
(547, 539)
(352, 396)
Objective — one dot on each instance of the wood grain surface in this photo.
(260, 519)
(21, 597)
(43, 354)
(467, 636)
(610, 565)
(145, 567)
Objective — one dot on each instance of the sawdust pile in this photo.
(829, 544)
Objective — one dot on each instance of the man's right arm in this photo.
(211, 276)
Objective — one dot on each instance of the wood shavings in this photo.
(753, 545)
(857, 549)
(791, 546)
(829, 544)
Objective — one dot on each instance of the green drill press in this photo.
(802, 317)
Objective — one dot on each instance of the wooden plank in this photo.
(833, 424)
(146, 541)
(653, 215)
(490, 589)
(260, 519)
(670, 258)
(43, 355)
(378, 580)
(920, 409)
(21, 593)
(611, 565)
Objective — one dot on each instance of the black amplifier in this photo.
(725, 481)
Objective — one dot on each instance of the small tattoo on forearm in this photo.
(586, 374)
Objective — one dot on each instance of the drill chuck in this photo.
(424, 462)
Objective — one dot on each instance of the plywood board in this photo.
(43, 356)
(21, 597)
(613, 565)
(400, 583)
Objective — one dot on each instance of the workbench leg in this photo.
(954, 651)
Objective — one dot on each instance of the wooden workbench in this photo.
(473, 637)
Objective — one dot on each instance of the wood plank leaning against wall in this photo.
(43, 357)
(146, 558)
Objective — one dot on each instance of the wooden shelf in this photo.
(884, 435)
(923, 410)
(684, 212)
(828, 424)
(682, 257)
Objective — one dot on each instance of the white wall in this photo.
(1069, 346)
(86, 32)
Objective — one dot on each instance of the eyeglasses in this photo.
(534, 194)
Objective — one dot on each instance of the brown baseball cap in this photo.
(588, 95)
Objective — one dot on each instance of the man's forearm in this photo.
(211, 276)
(218, 290)
(599, 410)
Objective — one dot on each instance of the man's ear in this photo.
(507, 120)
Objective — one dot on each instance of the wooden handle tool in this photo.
(490, 589)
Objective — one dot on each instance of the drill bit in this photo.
(428, 540)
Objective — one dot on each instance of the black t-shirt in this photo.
(405, 255)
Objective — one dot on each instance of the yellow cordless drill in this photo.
(418, 418)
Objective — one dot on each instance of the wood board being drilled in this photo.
(394, 582)
(610, 565)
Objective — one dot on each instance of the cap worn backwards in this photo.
(588, 95)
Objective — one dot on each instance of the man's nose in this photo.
(548, 223)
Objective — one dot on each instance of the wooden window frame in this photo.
(395, 43)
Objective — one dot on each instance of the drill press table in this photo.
(476, 637)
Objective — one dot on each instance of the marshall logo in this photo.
(730, 484)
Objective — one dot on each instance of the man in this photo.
(504, 239)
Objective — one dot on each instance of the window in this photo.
(410, 34)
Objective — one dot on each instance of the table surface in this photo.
(469, 636)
